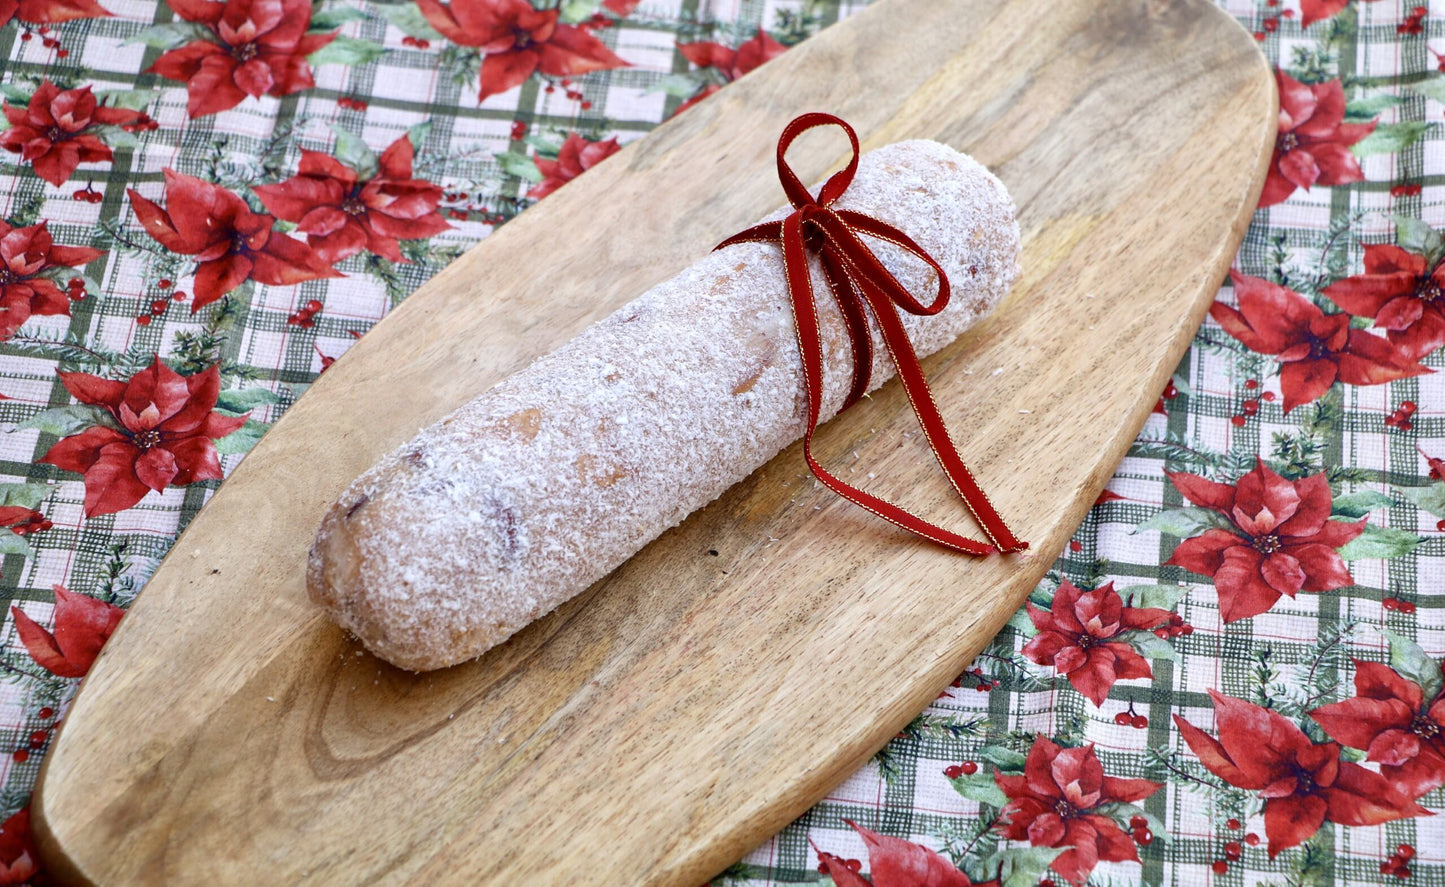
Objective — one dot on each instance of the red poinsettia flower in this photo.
(620, 7)
(577, 156)
(1390, 718)
(1052, 804)
(1315, 349)
(1404, 296)
(1076, 636)
(1314, 141)
(1282, 540)
(342, 215)
(730, 63)
(165, 428)
(49, 12)
(518, 40)
(1303, 783)
(19, 861)
(1312, 11)
(82, 626)
(28, 258)
(230, 242)
(23, 521)
(894, 862)
(259, 47)
(50, 131)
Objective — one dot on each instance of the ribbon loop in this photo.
(860, 284)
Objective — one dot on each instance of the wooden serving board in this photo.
(653, 730)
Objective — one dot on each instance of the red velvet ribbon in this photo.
(857, 278)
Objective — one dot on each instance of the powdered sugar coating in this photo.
(547, 482)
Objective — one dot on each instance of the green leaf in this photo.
(1431, 88)
(13, 544)
(1389, 138)
(173, 34)
(1418, 237)
(546, 145)
(1121, 812)
(520, 166)
(353, 152)
(1353, 755)
(235, 401)
(1165, 597)
(1411, 661)
(242, 439)
(336, 16)
(14, 93)
(1380, 542)
(1023, 866)
(1182, 384)
(347, 51)
(1149, 644)
(116, 137)
(980, 787)
(417, 133)
(1367, 108)
(574, 11)
(1022, 623)
(23, 495)
(407, 18)
(684, 86)
(130, 99)
(1006, 759)
(1357, 505)
(1431, 498)
(65, 421)
(1184, 523)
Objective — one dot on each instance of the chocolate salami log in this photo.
(547, 482)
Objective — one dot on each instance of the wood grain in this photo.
(653, 730)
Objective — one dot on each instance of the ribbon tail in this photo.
(915, 384)
(769, 232)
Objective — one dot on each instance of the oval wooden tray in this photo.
(689, 705)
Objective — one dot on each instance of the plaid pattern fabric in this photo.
(954, 780)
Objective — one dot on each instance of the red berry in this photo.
(550, 89)
(1271, 24)
(970, 768)
(1143, 837)
(1252, 839)
(38, 738)
(586, 106)
(313, 306)
(1250, 407)
(854, 865)
(78, 195)
(1407, 608)
(1405, 851)
(46, 713)
(1075, 546)
(1170, 390)
(953, 771)
(61, 53)
(1186, 629)
(1406, 425)
(423, 43)
(164, 283)
(1232, 850)
(1237, 421)
(159, 306)
(26, 37)
(1138, 822)
(1259, 35)
(1122, 718)
(178, 296)
(1409, 407)
(1392, 420)
(1220, 866)
(75, 283)
(519, 129)
(1138, 722)
(1420, 12)
(1388, 866)
(1251, 384)
(1268, 397)
(20, 755)
(1390, 603)
(44, 29)
(144, 320)
(1162, 632)
(95, 197)
(1402, 872)
(1047, 882)
(1233, 824)
(1440, 526)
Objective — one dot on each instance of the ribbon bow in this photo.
(856, 277)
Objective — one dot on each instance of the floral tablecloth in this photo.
(1233, 675)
